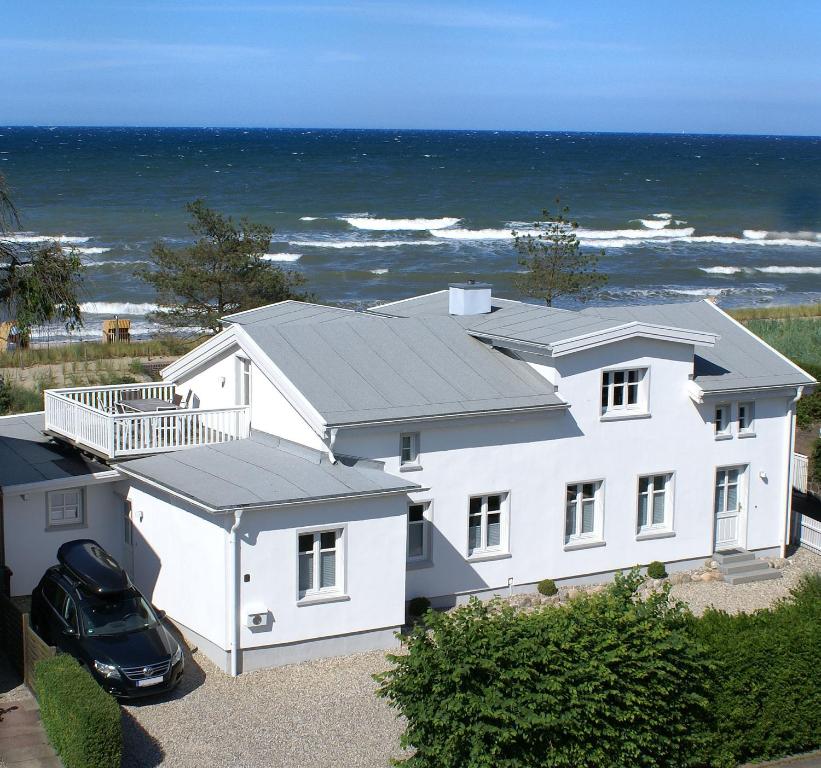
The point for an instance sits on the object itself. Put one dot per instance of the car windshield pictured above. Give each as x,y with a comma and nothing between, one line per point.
116,615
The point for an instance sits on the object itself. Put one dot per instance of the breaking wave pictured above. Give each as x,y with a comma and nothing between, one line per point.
282,256
29,237
775,270
361,243
117,308
379,271
387,225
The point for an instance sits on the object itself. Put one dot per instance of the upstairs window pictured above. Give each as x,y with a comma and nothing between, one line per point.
409,449
654,502
243,381
583,512
486,523
624,391
65,508
318,562
746,418
721,421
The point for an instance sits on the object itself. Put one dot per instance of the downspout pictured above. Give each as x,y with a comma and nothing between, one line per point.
233,602
790,472
331,441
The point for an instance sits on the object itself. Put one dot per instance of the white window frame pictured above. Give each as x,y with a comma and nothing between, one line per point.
413,462
426,524
725,431
244,375
669,502
625,408
77,520
483,550
590,538
749,411
317,593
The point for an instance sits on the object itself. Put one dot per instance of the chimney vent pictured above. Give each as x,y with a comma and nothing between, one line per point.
470,298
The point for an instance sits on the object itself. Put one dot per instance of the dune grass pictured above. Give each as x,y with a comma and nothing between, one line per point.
743,314
799,338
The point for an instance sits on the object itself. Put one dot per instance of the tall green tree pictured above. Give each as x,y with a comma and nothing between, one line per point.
553,260
224,271
39,285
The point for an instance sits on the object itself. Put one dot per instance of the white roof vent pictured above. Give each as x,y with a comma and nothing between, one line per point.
470,298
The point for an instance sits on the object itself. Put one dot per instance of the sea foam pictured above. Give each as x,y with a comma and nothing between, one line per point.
387,225
117,308
361,243
29,237
282,256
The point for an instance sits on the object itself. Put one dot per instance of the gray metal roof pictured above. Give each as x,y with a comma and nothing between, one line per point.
737,361
29,456
261,471
357,367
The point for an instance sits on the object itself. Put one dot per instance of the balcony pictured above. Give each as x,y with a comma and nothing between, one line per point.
120,421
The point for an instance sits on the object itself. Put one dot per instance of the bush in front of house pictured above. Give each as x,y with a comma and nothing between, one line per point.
605,681
82,721
656,570
816,460
547,587
417,606
765,698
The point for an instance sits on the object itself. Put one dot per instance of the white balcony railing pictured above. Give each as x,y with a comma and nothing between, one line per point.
93,418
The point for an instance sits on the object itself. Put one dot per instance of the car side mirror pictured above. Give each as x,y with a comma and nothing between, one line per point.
161,614
69,632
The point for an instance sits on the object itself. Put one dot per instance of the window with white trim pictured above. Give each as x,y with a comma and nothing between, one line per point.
721,420
65,507
419,531
583,512
409,449
655,502
319,562
487,524
243,381
746,418
624,391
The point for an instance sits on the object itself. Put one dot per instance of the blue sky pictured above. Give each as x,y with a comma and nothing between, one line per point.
718,67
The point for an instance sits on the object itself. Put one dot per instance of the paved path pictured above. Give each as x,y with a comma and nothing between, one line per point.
23,742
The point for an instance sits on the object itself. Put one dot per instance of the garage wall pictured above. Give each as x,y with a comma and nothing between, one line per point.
31,548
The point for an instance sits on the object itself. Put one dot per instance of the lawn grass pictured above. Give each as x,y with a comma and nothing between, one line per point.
160,346
799,338
743,314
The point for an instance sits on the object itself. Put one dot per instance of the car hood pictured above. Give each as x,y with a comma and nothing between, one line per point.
132,649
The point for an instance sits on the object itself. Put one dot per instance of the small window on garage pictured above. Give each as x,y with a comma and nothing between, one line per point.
65,508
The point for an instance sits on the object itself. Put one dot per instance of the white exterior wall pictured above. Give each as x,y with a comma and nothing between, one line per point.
31,548
179,560
373,542
215,386
533,457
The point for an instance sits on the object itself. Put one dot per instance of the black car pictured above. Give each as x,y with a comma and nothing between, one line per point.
88,607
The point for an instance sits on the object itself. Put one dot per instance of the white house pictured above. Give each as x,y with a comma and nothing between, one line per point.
329,465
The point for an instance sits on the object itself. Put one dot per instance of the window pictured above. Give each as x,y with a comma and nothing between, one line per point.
623,391
583,511
655,502
318,562
726,500
65,507
243,381
419,531
485,521
409,449
721,422
746,418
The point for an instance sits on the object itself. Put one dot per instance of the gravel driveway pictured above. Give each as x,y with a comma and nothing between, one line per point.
324,713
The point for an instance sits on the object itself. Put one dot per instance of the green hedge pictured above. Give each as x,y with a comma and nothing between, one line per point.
765,700
82,720
609,681
604,682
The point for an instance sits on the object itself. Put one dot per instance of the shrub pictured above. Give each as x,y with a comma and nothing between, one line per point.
765,698
605,681
816,460
17,399
82,720
656,570
417,606
808,410
547,587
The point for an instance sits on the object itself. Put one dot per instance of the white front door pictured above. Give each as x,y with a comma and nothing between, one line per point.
128,539
728,506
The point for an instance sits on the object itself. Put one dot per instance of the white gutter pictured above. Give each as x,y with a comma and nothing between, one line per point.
233,601
787,526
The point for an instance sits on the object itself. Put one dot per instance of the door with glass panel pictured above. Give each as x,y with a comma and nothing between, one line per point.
727,506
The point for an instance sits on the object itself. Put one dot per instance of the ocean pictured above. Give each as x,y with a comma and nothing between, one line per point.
372,216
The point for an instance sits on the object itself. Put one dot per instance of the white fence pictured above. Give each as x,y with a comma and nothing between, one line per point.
799,472
809,533
88,417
